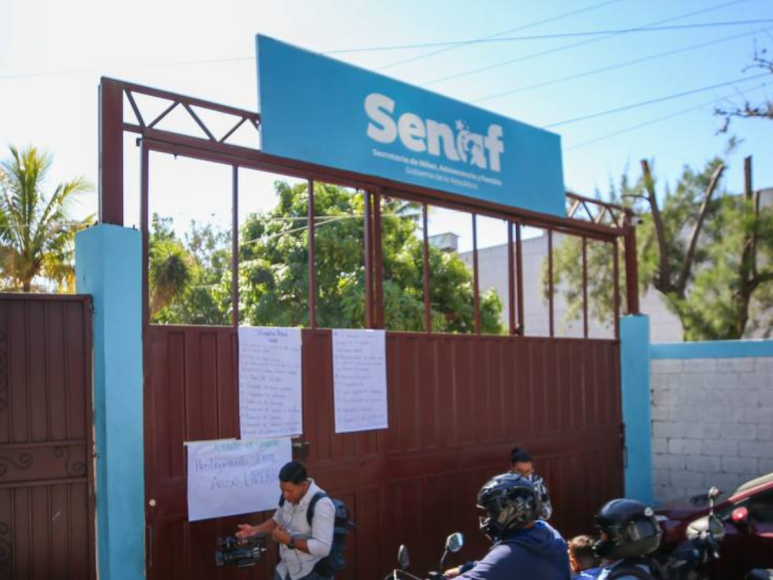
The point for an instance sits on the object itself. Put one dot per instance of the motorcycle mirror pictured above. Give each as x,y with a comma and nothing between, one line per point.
402,557
740,516
713,492
454,542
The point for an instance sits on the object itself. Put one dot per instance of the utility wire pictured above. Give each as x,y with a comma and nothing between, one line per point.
552,36
456,44
252,58
572,45
615,66
523,27
653,121
652,101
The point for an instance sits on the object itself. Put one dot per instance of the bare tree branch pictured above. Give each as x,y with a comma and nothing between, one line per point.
747,110
663,283
684,275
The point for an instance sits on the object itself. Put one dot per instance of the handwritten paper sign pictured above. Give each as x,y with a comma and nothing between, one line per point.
229,477
270,382
359,380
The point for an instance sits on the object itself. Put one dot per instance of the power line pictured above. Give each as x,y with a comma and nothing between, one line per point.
653,121
523,27
615,66
652,101
129,65
455,45
252,58
489,40
572,45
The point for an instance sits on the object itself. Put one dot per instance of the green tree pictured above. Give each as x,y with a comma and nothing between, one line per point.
708,256
37,234
274,264
187,277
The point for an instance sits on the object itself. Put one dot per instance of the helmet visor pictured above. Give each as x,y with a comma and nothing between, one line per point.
642,529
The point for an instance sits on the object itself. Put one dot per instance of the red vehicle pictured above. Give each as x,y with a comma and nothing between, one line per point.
747,514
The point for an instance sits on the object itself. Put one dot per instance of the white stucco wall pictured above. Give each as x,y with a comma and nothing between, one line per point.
492,265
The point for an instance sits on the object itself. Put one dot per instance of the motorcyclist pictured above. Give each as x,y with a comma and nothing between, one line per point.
523,546
629,534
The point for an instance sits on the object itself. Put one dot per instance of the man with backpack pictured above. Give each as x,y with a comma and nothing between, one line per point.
629,534
303,525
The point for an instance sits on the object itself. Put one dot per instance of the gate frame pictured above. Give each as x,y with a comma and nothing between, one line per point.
112,126
111,131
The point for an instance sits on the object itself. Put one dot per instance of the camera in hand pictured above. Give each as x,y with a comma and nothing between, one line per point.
242,553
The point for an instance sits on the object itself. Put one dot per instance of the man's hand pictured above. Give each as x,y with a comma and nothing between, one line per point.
245,531
280,535
452,572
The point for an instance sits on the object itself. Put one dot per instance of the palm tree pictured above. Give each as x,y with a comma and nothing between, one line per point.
36,233
170,273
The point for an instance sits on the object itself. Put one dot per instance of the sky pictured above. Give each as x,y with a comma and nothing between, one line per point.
534,61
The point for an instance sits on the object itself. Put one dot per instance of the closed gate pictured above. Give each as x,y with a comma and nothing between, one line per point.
453,419
46,468
457,403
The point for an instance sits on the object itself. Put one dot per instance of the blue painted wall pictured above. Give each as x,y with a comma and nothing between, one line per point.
713,349
635,377
108,266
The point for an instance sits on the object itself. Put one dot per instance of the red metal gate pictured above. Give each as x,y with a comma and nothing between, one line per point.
46,475
453,419
457,403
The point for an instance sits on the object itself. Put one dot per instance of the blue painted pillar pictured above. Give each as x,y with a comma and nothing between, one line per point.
635,379
108,265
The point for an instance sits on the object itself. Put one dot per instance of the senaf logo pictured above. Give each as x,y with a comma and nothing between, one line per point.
433,137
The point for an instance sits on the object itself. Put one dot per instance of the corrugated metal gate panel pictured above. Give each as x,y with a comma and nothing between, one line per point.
457,404
46,479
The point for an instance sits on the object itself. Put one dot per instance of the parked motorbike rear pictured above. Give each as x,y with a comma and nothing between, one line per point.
454,543
691,560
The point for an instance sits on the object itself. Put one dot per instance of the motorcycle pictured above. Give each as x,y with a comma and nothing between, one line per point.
454,543
691,560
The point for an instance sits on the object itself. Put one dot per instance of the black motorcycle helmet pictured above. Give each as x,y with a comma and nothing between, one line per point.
630,530
510,502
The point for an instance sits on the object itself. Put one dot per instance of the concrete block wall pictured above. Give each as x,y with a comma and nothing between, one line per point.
712,415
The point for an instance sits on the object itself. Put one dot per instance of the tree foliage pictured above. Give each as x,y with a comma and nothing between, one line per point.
273,269
708,255
189,279
37,234
274,266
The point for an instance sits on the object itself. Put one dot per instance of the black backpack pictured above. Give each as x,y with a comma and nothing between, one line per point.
334,561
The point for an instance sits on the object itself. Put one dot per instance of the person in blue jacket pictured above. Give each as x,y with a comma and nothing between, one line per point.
523,546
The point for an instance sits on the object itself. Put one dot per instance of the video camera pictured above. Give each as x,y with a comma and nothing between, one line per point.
242,553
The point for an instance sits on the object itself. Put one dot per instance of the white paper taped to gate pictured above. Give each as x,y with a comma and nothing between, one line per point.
230,477
270,382
359,380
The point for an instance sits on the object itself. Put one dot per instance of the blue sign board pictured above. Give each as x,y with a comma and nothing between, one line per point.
326,112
